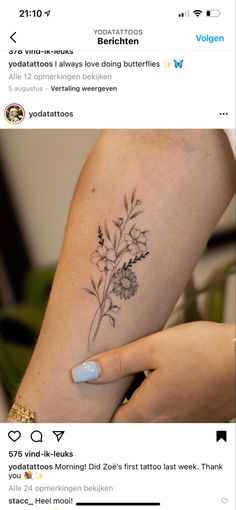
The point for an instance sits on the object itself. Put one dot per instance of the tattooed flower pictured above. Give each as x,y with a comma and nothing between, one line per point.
136,241
104,258
125,282
120,246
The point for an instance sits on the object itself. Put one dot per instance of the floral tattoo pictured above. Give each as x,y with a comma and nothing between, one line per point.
119,249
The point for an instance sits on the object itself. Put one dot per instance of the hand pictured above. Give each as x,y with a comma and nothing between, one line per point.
192,376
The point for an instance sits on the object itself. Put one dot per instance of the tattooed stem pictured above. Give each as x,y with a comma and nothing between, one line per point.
99,315
100,309
104,294
92,336
122,229
118,260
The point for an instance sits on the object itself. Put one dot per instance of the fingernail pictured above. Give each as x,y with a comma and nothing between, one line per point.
87,371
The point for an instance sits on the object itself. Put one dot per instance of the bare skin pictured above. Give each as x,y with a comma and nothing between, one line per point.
185,181
191,379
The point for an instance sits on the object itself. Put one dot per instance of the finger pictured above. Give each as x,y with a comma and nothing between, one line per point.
139,407
127,413
117,363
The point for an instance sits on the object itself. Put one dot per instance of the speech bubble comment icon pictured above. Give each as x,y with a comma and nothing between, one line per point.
36,436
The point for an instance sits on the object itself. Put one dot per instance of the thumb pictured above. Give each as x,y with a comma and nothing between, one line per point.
138,408
117,363
129,413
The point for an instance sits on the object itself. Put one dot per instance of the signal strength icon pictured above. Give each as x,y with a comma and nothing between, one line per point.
185,14
197,12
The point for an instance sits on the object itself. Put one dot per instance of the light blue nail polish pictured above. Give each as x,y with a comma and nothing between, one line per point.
87,371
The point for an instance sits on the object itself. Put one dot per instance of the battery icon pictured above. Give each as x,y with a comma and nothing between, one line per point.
213,13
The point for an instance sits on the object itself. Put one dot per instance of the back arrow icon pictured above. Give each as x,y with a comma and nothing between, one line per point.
11,37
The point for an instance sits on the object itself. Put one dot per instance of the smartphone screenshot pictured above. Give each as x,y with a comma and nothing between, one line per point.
117,255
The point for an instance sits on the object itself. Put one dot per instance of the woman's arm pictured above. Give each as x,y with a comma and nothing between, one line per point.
184,181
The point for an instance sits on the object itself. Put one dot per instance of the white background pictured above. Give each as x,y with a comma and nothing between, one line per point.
192,96
131,443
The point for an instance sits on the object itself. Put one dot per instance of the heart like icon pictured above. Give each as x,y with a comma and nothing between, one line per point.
224,501
14,435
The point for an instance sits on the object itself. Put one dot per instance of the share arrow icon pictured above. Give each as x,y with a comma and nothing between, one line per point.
58,434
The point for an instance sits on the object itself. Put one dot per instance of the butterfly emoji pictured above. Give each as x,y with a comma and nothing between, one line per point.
178,63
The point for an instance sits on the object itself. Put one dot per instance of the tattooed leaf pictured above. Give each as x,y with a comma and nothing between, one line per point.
100,237
111,320
90,292
93,284
126,204
135,214
133,196
99,282
126,265
110,302
120,252
115,239
116,224
115,309
136,259
107,231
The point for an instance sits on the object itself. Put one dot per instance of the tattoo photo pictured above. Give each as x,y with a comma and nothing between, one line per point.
120,247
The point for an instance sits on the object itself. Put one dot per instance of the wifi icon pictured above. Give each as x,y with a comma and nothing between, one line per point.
197,12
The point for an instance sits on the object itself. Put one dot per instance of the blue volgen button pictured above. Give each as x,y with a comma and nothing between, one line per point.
206,38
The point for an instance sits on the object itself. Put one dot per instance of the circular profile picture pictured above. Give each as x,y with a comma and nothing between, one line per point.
14,113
